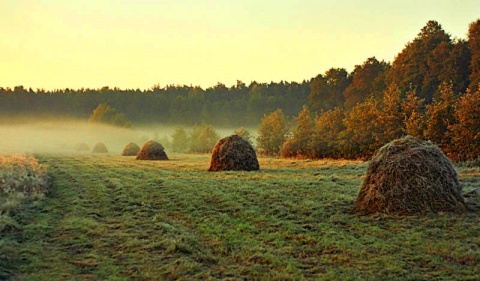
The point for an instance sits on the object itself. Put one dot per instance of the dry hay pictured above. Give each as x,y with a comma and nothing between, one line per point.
152,150
233,154
82,147
408,176
100,148
131,149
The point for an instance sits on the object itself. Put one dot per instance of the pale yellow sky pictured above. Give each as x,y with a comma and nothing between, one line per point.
138,43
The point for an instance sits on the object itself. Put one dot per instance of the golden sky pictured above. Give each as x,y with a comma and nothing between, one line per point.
55,44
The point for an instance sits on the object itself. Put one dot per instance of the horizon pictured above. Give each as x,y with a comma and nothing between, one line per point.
128,44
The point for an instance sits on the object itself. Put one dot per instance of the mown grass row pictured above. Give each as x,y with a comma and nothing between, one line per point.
111,217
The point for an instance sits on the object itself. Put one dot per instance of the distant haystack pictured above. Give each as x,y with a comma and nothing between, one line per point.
152,151
233,154
100,148
82,147
131,149
409,176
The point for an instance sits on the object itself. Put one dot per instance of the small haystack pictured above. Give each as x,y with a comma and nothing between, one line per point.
409,176
100,148
152,151
82,147
233,154
131,149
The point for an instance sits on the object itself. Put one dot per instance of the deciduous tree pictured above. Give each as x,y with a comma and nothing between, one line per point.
272,133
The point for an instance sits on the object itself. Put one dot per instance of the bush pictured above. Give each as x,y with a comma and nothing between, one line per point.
272,133
180,140
202,139
298,144
244,134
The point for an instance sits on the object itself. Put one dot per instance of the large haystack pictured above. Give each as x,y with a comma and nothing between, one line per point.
82,147
131,149
152,151
233,153
100,148
408,176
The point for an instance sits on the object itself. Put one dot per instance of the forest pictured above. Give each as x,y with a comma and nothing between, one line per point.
429,90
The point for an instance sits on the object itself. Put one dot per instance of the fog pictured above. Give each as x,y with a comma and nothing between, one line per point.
64,136
47,136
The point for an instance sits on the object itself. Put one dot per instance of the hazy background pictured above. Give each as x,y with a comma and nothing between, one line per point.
50,136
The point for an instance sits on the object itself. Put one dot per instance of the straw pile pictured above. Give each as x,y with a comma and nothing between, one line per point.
82,147
100,148
152,151
408,176
233,153
131,149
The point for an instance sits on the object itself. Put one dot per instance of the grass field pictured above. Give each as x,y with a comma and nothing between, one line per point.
109,217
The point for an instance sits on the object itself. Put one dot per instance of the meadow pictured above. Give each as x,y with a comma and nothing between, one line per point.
108,217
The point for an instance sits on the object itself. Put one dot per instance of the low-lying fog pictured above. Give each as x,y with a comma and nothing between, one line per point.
65,136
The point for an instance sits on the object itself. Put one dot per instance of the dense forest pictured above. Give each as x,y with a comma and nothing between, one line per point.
424,92
183,105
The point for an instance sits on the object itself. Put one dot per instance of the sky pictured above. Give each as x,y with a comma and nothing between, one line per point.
130,44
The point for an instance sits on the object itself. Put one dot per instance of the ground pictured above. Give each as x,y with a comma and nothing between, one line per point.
112,217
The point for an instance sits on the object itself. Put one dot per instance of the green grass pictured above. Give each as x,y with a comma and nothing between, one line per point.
113,218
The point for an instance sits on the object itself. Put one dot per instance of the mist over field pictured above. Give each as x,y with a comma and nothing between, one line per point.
64,136
51,136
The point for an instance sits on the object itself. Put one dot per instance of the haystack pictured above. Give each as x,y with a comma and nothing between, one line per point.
131,149
100,148
233,153
152,151
408,176
82,147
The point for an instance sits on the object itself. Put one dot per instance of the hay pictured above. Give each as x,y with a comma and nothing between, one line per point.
131,149
152,151
233,154
82,147
100,148
408,176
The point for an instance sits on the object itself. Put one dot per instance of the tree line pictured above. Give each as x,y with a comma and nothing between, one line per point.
450,121
174,104
355,112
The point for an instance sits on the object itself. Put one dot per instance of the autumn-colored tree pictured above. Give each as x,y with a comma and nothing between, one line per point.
325,138
390,115
422,62
326,91
474,46
465,132
272,133
439,115
105,114
367,79
298,144
414,117
362,130
180,140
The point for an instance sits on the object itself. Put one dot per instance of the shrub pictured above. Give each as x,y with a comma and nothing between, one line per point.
180,140
202,138
298,144
272,133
